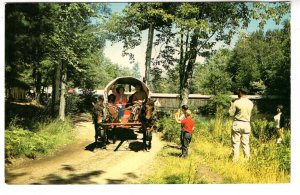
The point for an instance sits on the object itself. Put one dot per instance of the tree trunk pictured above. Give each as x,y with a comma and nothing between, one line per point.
62,104
188,72
38,86
56,90
181,64
148,53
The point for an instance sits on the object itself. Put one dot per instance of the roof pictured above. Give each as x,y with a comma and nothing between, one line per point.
201,96
176,95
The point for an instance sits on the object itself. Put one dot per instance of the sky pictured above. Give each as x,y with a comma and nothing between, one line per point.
114,51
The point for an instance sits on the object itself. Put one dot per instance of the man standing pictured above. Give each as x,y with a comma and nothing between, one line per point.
241,110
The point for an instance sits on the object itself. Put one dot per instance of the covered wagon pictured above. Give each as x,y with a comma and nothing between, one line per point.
126,105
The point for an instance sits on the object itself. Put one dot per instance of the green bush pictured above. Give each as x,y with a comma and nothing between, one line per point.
263,130
48,137
73,102
86,98
216,103
170,129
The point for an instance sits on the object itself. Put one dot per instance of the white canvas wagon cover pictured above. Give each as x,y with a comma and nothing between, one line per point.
123,81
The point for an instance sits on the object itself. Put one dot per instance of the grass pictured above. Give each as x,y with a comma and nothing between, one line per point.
209,162
49,136
32,134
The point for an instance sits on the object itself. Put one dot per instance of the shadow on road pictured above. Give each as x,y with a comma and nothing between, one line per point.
122,181
84,178
115,181
91,147
119,134
136,146
12,176
124,134
67,168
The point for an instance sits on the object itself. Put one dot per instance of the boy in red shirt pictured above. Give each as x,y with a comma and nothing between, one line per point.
188,127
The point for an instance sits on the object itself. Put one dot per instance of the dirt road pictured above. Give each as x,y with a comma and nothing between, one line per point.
79,164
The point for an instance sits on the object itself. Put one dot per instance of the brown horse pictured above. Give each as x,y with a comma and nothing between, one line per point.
148,118
98,119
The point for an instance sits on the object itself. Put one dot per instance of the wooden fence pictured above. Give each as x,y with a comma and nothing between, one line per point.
171,101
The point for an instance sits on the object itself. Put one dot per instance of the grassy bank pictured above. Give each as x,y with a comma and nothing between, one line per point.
209,162
49,136
30,133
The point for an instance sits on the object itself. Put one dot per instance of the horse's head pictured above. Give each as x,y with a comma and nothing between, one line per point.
149,108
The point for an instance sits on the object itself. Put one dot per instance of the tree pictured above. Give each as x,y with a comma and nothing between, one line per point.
136,71
24,45
261,62
75,37
53,42
202,25
212,77
247,60
136,18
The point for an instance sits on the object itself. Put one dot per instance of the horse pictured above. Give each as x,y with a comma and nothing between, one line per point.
148,118
98,119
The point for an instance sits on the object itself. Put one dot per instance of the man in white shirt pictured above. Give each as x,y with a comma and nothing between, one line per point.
241,110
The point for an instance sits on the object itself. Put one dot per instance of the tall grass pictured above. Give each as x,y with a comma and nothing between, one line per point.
47,137
209,162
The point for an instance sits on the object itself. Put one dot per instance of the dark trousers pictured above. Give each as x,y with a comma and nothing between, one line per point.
187,137
181,137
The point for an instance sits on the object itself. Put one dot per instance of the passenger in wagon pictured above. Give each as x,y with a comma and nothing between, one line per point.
139,95
121,99
112,107
136,100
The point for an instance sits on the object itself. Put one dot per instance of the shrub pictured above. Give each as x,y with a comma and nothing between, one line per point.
263,130
46,139
217,103
72,104
170,129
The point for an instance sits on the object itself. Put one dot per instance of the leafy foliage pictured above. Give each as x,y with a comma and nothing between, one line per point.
50,136
57,44
212,77
263,61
